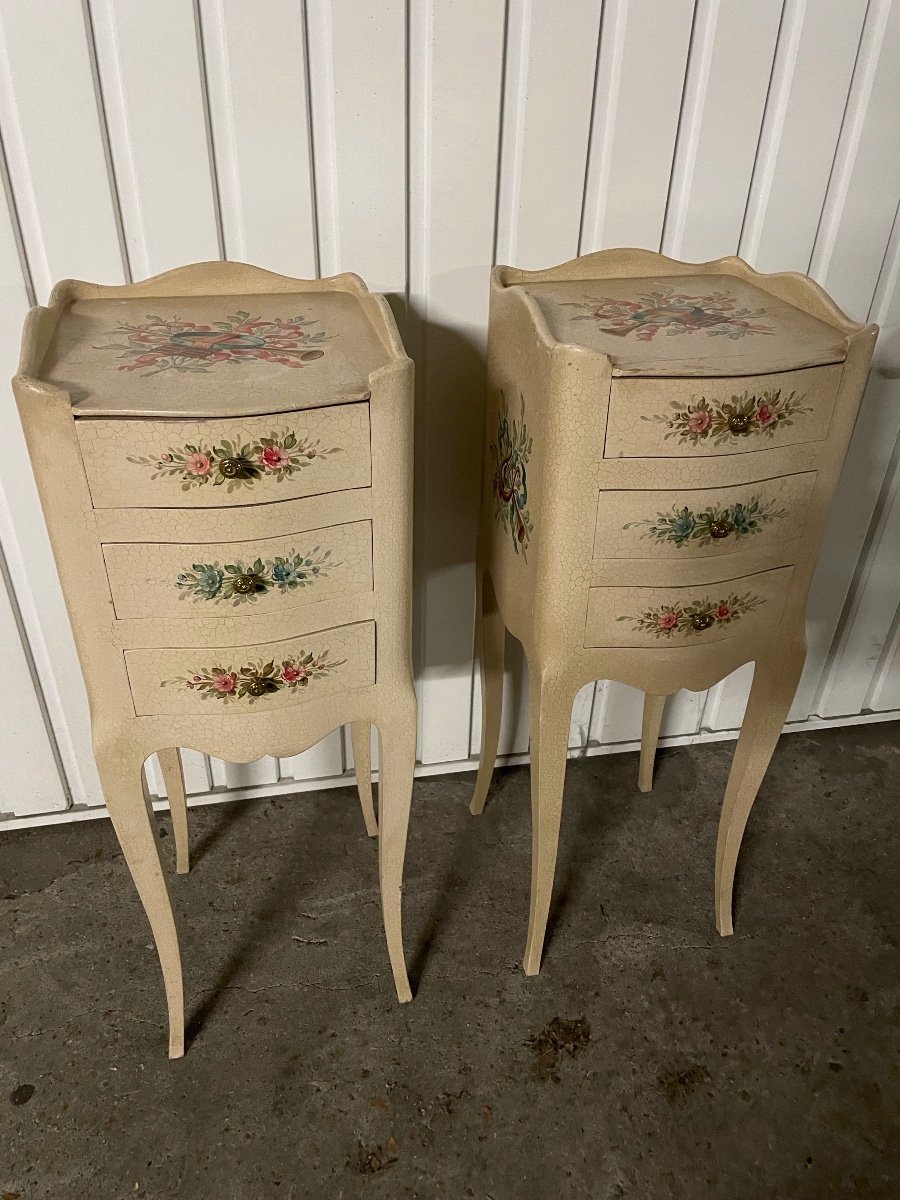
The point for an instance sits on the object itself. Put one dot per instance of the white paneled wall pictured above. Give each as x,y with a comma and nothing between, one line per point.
417,142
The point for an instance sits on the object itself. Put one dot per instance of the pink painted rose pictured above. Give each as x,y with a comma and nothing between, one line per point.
291,674
198,464
274,458
667,620
700,421
722,611
165,458
765,415
225,683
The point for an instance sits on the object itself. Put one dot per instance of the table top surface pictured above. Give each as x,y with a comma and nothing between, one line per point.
685,325
203,356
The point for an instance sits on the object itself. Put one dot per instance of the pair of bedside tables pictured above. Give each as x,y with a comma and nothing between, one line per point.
224,458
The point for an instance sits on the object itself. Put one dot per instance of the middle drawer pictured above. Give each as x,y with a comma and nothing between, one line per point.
265,575
679,525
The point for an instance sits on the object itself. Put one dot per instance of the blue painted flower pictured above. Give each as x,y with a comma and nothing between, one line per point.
682,525
286,574
207,580
742,521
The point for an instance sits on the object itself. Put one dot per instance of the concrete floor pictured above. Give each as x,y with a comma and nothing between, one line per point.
681,1065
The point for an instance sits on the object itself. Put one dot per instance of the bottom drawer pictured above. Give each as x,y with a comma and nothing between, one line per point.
667,616
274,675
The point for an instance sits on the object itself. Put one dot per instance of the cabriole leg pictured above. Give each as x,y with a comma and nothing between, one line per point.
551,716
775,681
361,740
132,818
490,646
397,749
654,707
173,777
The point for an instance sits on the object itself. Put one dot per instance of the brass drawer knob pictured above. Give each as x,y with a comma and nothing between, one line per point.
245,584
701,621
739,422
720,529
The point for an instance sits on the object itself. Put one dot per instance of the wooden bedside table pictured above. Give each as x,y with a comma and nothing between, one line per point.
224,458
662,443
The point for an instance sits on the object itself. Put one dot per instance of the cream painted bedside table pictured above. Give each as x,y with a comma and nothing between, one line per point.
224,458
663,440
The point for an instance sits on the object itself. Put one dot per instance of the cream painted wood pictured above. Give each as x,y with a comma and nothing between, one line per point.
161,580
237,686
173,778
769,513
361,736
655,623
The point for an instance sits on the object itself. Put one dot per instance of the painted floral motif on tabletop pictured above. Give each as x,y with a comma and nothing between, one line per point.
717,314
171,344
511,453
241,582
683,526
257,679
748,414
277,456
670,619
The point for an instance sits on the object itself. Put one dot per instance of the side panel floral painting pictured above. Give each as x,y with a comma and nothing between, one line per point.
170,344
511,453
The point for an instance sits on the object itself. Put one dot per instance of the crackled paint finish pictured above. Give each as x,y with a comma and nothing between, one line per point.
618,586
673,313
100,509
276,456
679,526
174,682
670,418
125,467
170,344
270,575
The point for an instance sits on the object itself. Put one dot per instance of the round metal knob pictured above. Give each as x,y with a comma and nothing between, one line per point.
720,529
257,687
231,467
701,621
739,422
245,584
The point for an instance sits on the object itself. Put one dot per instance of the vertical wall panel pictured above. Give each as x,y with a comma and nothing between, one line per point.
817,49
457,58
257,77
153,91
732,50
640,77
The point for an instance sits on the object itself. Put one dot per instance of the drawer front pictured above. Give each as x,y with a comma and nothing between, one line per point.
213,464
684,418
258,678
159,580
681,525
686,616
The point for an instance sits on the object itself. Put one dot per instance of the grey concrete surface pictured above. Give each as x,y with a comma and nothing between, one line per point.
649,1059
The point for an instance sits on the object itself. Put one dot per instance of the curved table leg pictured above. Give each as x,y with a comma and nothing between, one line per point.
551,716
397,748
361,740
775,681
490,646
132,817
654,707
173,777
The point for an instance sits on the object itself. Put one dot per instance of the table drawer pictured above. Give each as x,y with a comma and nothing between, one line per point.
681,525
691,616
204,682
684,418
188,464
266,575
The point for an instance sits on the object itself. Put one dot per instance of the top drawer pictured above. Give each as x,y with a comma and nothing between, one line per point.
132,463
684,418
